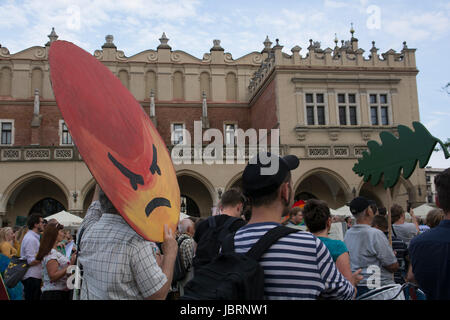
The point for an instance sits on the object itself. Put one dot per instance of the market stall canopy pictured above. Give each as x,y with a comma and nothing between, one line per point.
343,211
67,219
422,211
183,216
334,212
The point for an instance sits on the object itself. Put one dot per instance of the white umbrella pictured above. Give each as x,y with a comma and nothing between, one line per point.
422,211
343,211
334,212
67,219
183,216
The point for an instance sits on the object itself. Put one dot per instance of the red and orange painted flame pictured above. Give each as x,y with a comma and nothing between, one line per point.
104,118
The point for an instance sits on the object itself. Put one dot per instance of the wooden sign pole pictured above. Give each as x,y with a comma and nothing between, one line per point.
388,209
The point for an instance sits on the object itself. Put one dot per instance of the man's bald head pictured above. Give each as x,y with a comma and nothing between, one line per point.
186,226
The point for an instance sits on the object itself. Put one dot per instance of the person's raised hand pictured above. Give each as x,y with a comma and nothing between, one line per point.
73,258
356,277
169,245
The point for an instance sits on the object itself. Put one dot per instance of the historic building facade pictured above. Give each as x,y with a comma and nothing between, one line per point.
327,104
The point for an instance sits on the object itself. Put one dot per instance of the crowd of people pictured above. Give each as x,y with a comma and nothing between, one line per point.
43,245
117,263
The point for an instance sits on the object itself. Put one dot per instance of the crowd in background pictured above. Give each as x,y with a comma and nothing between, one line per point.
117,263
43,244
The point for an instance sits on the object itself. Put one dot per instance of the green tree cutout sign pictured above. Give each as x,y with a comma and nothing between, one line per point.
394,154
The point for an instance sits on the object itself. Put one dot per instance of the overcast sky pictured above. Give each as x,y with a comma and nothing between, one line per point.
191,26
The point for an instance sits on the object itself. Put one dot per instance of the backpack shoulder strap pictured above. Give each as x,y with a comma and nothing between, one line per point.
229,222
212,221
266,241
225,231
393,231
228,243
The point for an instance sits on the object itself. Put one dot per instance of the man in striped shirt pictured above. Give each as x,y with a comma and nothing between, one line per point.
298,266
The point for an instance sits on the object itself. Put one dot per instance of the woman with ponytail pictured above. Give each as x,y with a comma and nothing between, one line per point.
54,264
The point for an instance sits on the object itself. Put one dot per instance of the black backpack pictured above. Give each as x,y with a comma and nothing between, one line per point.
234,276
179,271
208,247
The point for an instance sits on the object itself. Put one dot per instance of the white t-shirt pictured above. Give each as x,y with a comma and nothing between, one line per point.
369,250
63,262
405,231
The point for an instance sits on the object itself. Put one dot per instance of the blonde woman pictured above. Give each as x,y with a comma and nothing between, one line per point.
19,237
7,242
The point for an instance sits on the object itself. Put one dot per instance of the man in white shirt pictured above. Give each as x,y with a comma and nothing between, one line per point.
369,249
28,249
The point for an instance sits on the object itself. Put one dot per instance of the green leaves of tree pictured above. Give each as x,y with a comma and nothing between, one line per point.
393,154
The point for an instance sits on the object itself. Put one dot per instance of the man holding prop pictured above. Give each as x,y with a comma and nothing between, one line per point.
138,193
393,155
388,159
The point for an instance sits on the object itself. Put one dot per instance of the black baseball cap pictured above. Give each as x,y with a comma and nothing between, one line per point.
359,204
262,176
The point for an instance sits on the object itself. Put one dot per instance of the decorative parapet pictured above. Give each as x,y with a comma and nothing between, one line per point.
345,57
4,52
165,54
35,153
226,153
263,71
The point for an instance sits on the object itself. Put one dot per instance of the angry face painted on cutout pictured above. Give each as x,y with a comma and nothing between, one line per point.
117,140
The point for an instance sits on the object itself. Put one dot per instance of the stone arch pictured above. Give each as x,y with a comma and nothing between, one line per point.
324,184
404,190
235,182
231,86
376,193
198,188
27,190
5,81
86,194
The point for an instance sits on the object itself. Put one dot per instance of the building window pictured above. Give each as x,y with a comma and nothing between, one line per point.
315,109
379,109
66,138
230,131
347,109
177,133
7,132
374,115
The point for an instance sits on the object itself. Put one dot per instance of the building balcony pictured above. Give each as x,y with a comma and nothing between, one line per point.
39,153
180,152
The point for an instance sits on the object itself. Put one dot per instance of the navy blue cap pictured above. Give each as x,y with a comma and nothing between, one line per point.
263,176
359,204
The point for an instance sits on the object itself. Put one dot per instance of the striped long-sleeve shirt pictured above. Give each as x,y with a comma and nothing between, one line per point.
297,266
